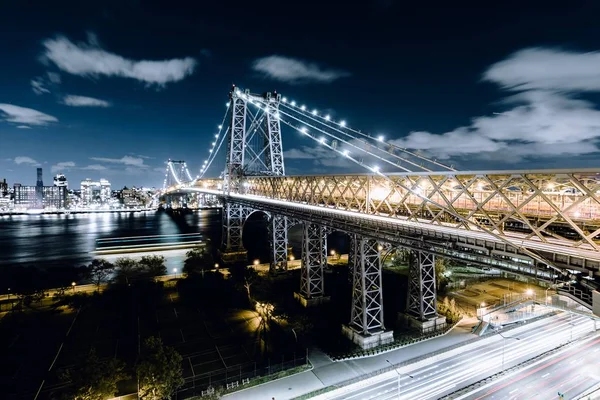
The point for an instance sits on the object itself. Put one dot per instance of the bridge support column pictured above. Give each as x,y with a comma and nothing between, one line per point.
314,260
422,301
232,247
366,321
278,230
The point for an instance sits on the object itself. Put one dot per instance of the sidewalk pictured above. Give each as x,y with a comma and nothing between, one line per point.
327,372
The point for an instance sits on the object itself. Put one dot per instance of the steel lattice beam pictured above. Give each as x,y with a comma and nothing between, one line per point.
278,231
314,259
422,302
367,296
234,216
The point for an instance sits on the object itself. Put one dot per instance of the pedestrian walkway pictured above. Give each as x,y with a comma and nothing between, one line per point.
326,372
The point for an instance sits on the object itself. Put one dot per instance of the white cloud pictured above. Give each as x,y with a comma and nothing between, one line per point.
90,60
38,86
23,127
298,154
53,77
22,115
83,101
545,118
547,69
295,71
125,160
61,166
25,160
95,167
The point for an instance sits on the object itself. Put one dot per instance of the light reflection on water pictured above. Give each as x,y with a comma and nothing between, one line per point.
49,240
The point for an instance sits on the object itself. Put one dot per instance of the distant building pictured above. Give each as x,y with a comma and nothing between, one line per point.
39,196
3,188
61,180
95,192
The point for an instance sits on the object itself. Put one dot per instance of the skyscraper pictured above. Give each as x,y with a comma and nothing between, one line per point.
39,190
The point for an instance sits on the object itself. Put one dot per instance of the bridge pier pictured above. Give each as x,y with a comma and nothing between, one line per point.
232,246
314,260
366,321
278,230
422,301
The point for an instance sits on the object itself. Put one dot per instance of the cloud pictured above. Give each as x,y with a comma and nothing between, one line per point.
22,115
95,167
298,154
25,160
61,166
38,86
295,71
83,101
545,117
547,69
23,127
41,85
90,60
125,160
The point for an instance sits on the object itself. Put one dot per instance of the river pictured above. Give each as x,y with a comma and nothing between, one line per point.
70,240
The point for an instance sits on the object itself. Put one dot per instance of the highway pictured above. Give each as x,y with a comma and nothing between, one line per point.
452,372
570,373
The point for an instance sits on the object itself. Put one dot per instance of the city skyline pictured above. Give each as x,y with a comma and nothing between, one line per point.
116,89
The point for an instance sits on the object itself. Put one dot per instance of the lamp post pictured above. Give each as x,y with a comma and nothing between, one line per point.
399,375
503,342
73,285
175,272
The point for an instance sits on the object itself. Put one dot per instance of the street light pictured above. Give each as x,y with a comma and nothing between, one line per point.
73,284
399,375
505,338
216,265
256,262
175,272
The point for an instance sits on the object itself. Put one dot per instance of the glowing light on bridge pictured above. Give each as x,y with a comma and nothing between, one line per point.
342,123
227,104
284,99
303,107
293,103
346,153
217,135
304,130
327,117
220,126
380,138
322,140
314,112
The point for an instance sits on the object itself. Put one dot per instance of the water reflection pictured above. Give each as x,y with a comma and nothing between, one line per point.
48,240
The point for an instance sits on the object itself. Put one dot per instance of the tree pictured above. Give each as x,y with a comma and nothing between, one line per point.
96,379
198,260
100,270
126,268
249,279
159,371
153,265
441,279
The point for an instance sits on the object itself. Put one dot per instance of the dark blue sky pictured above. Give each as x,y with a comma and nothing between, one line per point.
77,97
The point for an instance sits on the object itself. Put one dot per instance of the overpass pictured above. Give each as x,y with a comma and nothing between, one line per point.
543,223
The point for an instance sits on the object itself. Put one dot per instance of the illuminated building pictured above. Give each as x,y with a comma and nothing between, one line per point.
95,192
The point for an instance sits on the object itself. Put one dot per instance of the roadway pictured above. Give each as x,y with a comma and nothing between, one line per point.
570,373
443,376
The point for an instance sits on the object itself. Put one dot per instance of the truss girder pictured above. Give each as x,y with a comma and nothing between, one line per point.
278,232
314,260
422,302
367,296
234,215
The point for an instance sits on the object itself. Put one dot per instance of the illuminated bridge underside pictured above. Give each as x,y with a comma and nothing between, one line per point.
556,214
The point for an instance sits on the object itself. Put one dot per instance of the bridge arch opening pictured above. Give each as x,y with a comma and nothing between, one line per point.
255,236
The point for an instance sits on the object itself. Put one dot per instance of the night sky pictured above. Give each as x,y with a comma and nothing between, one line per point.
112,89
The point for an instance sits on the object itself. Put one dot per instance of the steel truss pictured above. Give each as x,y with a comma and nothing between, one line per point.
278,232
273,145
314,260
422,302
237,145
367,295
234,215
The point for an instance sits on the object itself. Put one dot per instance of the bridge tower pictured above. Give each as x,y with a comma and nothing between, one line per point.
254,149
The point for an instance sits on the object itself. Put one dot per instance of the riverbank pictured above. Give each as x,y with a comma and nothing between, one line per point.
67,212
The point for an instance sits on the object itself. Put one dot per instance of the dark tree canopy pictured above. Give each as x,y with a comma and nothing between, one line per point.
96,379
159,371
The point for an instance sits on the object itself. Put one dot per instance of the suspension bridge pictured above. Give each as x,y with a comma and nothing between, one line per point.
543,223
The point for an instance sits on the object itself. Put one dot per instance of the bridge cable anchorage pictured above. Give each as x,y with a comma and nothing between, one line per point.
465,221
315,116
212,153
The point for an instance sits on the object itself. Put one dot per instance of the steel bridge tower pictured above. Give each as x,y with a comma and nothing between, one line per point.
254,149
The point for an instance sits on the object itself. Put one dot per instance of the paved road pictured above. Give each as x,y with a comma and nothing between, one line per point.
570,373
447,375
